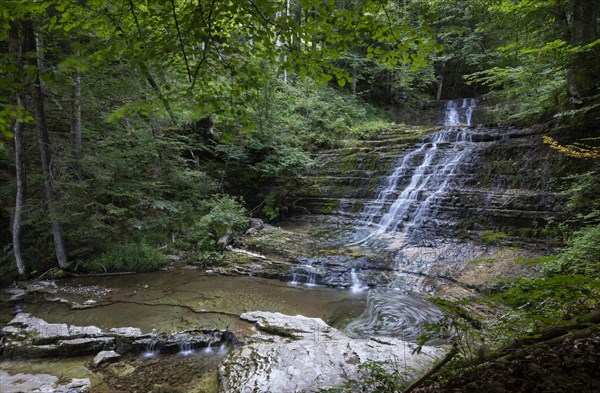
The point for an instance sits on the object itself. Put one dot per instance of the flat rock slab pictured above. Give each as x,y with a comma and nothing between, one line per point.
319,357
29,336
19,383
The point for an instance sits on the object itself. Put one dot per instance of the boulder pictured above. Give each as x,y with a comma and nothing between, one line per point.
105,357
309,355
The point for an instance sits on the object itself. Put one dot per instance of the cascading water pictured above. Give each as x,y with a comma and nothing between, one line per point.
185,348
357,285
152,349
406,203
304,274
208,350
422,176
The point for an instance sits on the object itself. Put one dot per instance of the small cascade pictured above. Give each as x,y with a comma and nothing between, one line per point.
357,285
152,349
208,350
222,350
421,177
304,274
185,348
459,112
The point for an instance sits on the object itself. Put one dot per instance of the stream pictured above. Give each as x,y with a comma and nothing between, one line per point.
187,298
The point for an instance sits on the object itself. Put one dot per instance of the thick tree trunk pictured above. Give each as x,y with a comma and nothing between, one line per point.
583,66
16,50
46,159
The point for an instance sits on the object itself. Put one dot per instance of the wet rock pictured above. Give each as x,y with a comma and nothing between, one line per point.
13,293
19,383
255,226
105,357
29,336
318,356
126,331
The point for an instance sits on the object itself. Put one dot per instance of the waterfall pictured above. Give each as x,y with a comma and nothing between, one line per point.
152,349
357,285
459,112
185,348
305,274
208,350
422,176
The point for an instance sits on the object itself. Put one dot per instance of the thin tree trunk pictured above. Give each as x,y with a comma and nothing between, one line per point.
76,122
20,196
354,79
16,50
46,159
441,84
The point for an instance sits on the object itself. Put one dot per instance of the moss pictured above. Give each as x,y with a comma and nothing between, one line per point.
279,331
491,237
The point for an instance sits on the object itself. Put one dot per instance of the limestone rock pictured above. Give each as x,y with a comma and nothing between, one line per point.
320,357
40,383
105,356
28,336
126,331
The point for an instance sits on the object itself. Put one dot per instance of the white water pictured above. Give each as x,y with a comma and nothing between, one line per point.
422,176
185,348
393,314
208,350
304,274
357,285
152,349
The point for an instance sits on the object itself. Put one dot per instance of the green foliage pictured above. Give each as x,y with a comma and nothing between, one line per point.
581,256
548,301
135,257
225,215
320,115
374,377
583,192
273,206
491,237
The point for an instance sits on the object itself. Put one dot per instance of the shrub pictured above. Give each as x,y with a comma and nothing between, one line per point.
226,216
129,257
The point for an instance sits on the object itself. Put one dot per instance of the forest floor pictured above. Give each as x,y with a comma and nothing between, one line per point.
571,365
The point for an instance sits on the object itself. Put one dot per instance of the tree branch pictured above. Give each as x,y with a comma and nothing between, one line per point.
187,66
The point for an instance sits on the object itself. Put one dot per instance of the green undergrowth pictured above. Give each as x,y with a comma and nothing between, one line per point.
375,377
128,257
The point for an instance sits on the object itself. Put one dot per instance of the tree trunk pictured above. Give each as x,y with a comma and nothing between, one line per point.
583,65
19,197
438,96
46,160
76,122
16,50
354,79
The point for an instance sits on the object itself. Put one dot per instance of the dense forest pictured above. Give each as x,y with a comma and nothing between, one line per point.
132,130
